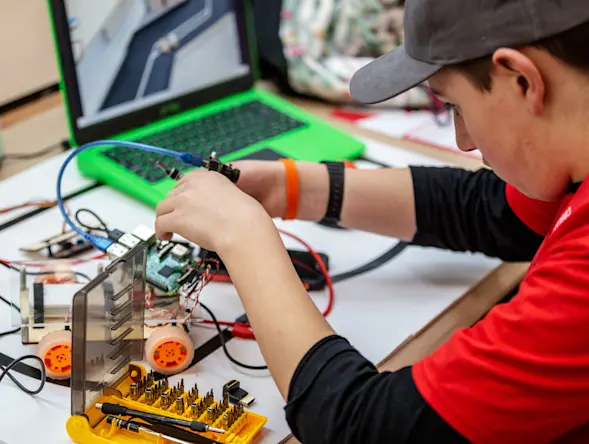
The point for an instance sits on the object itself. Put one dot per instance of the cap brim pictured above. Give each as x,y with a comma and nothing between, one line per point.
388,76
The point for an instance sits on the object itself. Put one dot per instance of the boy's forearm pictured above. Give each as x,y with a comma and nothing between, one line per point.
285,320
380,201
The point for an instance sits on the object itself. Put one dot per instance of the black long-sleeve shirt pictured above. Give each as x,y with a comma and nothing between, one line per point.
338,396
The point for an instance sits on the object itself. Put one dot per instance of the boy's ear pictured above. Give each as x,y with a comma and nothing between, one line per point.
522,75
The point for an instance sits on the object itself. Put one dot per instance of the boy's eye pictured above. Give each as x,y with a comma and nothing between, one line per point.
454,108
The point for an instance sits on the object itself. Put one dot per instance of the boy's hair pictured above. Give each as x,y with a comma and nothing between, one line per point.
571,47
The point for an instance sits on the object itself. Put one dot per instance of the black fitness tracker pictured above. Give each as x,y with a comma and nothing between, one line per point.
336,173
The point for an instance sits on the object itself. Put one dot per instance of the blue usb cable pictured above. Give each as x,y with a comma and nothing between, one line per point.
100,242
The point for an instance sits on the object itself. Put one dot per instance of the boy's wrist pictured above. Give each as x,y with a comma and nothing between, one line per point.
313,191
251,233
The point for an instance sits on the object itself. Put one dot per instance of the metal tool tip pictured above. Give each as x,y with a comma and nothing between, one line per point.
99,406
216,430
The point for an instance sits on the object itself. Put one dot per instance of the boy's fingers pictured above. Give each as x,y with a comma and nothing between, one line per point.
177,189
167,205
165,226
166,236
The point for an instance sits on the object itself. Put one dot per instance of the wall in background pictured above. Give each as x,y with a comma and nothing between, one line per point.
26,52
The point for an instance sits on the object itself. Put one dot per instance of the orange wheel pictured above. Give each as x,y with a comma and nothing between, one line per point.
55,349
169,350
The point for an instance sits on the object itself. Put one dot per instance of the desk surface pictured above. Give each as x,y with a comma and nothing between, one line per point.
28,61
431,300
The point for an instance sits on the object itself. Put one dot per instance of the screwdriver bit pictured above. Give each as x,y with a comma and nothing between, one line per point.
179,405
149,396
133,392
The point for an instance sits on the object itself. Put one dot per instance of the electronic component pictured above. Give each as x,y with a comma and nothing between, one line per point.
60,246
166,271
164,251
304,263
179,252
116,251
129,241
172,173
115,234
213,164
144,233
189,276
236,394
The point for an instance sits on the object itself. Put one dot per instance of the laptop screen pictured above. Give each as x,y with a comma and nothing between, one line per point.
134,54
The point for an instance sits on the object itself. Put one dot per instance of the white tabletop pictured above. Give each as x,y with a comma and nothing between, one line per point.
376,311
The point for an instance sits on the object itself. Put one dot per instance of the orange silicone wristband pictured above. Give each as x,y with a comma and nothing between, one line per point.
292,189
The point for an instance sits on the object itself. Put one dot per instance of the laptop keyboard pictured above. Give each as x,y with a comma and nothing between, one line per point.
224,132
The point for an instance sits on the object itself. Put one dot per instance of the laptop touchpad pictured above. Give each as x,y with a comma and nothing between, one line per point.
264,154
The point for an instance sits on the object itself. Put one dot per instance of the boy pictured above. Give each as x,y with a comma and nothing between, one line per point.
516,73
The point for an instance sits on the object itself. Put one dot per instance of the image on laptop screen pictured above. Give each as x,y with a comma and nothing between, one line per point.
130,54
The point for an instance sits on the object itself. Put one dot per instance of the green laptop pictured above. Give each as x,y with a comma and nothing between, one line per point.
178,74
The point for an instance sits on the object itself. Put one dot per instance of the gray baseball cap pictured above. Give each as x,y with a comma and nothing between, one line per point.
439,33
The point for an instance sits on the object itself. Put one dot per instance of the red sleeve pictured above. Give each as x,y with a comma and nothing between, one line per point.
537,215
522,373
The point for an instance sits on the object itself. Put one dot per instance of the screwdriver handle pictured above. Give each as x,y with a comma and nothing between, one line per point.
112,409
123,424
119,410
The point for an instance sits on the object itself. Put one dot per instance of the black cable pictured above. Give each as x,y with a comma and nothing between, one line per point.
231,358
17,361
9,332
12,156
102,227
388,255
45,273
12,304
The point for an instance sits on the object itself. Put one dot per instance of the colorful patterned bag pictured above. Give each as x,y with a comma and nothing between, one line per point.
326,41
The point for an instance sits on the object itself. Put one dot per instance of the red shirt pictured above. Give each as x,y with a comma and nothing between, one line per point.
521,375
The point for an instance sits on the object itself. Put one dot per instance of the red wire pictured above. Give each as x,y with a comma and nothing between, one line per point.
243,330
322,267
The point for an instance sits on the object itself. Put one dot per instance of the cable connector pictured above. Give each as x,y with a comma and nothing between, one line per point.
213,164
116,251
242,330
236,394
191,159
102,243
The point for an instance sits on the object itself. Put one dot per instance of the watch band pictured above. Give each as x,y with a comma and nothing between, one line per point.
336,172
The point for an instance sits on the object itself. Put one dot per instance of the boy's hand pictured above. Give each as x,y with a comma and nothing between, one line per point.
209,210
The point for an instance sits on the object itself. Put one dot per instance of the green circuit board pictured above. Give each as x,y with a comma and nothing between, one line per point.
169,266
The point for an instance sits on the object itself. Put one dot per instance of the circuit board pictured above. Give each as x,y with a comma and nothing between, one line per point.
170,265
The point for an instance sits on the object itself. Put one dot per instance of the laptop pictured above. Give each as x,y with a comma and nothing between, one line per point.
179,74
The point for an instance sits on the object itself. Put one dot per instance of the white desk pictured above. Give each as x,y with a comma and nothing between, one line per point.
376,311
